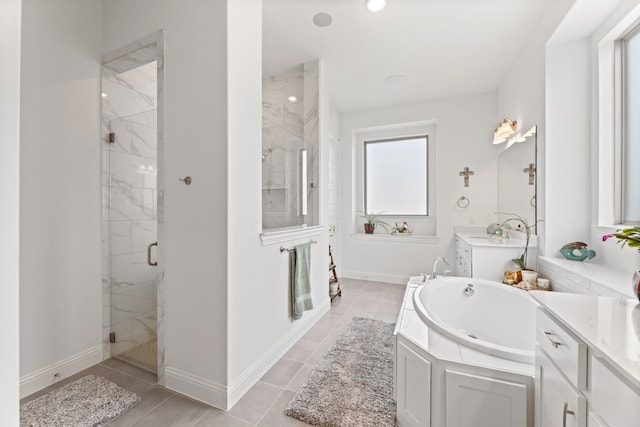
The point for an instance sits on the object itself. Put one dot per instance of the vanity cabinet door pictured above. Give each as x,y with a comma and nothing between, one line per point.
595,421
558,404
463,259
615,403
413,388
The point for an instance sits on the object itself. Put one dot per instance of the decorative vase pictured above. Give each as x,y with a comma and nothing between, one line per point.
333,288
577,251
635,282
635,318
368,228
530,277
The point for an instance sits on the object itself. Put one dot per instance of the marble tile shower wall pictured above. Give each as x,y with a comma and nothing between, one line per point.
130,206
288,127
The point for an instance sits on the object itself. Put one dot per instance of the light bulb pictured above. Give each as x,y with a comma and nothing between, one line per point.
375,5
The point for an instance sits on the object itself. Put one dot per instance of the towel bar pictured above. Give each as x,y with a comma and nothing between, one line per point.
292,248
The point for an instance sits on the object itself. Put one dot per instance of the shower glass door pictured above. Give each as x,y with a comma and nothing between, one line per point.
130,173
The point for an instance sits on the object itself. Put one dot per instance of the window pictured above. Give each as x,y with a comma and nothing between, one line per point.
630,172
395,173
396,176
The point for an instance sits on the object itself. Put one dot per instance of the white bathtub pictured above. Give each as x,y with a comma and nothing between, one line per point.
496,319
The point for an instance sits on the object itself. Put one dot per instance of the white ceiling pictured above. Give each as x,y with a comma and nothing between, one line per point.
447,48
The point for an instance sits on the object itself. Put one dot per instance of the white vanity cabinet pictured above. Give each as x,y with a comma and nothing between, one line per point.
463,258
587,366
479,256
611,401
560,375
558,403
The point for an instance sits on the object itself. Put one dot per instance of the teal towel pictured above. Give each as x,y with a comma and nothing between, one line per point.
301,280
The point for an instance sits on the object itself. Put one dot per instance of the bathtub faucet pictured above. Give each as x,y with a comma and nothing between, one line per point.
447,267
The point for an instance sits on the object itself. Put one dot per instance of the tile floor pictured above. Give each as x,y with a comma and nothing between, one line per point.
264,403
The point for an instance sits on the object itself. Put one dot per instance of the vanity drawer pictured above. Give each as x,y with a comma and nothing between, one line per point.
567,352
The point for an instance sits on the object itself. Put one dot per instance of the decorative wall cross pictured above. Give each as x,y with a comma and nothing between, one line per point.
531,170
466,173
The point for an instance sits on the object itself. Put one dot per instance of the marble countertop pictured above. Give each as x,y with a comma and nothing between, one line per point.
477,236
609,326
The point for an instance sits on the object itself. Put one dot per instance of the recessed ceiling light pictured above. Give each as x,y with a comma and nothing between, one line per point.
396,79
375,5
292,99
104,95
322,19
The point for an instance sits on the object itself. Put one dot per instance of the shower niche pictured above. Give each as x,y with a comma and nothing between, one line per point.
290,147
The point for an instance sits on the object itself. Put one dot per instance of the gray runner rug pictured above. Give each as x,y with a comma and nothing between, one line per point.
89,401
353,383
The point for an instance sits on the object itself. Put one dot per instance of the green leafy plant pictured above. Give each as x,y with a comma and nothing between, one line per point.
374,219
629,236
522,260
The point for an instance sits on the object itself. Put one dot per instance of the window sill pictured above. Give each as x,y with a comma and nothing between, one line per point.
431,240
286,234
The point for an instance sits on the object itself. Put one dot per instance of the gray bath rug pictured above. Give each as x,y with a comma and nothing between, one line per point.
89,401
353,383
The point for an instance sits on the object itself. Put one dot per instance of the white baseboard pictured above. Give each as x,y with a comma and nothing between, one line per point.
201,389
46,376
251,375
223,397
376,277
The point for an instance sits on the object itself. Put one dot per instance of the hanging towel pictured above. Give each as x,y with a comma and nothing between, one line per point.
301,280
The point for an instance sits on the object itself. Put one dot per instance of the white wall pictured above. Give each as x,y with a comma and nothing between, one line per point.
577,109
195,130
464,129
567,154
333,184
260,328
10,24
227,313
60,309
521,95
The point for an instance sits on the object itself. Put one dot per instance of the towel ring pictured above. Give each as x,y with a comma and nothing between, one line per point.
463,202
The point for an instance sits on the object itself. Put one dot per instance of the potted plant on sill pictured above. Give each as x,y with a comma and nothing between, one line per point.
402,229
629,236
372,221
521,262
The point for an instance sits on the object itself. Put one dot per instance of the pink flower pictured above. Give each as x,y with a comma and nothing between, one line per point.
606,237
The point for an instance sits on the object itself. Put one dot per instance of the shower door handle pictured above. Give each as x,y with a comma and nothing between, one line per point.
152,264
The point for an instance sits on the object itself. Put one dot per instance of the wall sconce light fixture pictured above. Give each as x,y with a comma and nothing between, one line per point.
504,130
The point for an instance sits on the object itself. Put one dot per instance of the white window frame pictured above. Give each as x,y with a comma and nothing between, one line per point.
610,113
421,224
620,148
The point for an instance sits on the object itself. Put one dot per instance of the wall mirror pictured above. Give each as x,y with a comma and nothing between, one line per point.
517,177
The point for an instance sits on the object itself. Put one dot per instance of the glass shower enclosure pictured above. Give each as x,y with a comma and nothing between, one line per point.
130,214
